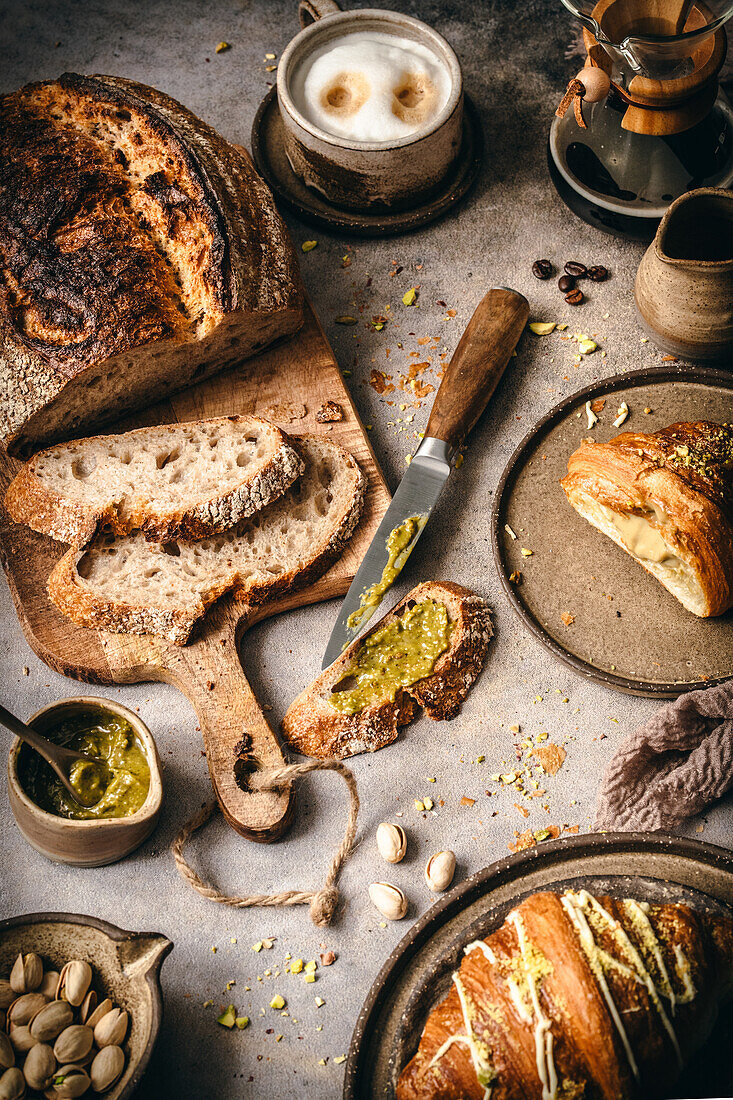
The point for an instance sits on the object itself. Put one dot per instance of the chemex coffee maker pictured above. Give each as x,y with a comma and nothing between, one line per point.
645,120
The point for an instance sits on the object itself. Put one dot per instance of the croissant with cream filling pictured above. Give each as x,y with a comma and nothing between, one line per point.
667,499
576,997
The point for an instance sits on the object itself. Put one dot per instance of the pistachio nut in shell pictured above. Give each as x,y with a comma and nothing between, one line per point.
21,1038
39,1066
74,981
69,1081
440,871
7,993
51,1020
101,1010
49,985
27,973
7,1054
24,1008
107,1068
389,900
391,842
12,1085
111,1029
74,1043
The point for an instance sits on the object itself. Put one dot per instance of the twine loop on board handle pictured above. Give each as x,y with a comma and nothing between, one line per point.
322,902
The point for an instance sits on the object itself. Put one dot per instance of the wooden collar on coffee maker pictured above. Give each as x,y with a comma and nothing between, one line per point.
660,107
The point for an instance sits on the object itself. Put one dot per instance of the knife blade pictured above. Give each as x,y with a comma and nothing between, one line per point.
469,381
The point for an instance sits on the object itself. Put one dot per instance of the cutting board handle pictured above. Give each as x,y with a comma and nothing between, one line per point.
237,736
477,364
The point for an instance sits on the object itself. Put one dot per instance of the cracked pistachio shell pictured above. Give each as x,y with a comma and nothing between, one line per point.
50,1021
74,1043
389,900
7,993
88,1006
107,1068
7,1055
27,973
49,984
101,1010
391,842
74,981
24,1008
12,1085
21,1038
39,1067
111,1029
440,870
74,1082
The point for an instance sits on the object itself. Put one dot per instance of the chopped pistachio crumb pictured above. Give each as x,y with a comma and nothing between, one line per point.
320,1002
227,1017
419,805
308,246
341,1058
242,1022
257,946
310,978
277,1001
408,298
311,966
296,966
222,46
526,553
543,328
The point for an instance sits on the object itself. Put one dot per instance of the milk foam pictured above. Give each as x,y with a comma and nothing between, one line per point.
371,86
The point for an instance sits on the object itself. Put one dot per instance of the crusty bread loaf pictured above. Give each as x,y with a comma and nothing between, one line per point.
315,727
132,586
176,481
139,252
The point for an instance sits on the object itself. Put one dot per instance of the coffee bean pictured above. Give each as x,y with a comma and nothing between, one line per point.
578,271
566,283
575,297
598,273
542,269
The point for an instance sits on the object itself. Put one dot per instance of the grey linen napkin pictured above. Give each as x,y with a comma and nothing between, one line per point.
672,767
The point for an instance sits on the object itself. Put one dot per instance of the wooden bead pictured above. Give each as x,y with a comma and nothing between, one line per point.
596,82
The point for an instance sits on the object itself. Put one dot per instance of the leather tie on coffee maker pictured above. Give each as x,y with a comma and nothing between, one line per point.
574,93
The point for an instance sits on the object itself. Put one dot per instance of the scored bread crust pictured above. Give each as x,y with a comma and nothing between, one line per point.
315,728
634,470
139,252
90,608
70,519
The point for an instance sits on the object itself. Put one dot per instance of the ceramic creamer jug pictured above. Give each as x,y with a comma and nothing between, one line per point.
684,285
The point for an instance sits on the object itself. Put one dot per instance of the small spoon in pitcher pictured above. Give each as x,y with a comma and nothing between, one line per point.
58,757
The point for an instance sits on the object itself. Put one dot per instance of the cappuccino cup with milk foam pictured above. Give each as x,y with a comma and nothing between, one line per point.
372,107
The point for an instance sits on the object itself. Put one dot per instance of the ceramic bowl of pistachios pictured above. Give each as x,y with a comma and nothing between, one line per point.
80,1006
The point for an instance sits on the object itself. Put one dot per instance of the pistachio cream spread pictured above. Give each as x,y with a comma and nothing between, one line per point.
122,786
640,537
399,548
393,657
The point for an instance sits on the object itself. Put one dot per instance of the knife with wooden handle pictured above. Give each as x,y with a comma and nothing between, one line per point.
469,381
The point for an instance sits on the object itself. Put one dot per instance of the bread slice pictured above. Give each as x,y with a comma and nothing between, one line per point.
128,585
314,727
140,252
176,481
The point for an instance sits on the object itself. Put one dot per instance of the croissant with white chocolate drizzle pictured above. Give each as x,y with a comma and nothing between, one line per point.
576,997
667,499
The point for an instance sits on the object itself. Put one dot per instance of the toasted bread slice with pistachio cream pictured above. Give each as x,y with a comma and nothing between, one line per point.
426,652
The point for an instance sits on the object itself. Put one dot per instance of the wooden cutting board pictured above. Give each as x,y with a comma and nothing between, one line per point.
287,385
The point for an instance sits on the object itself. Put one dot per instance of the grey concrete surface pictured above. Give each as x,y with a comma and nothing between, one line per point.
513,56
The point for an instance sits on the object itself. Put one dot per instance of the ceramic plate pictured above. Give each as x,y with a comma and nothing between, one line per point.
268,151
418,972
627,631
